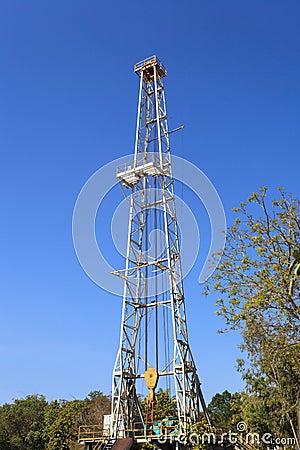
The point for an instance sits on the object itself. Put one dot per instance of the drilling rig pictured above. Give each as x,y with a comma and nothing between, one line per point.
154,350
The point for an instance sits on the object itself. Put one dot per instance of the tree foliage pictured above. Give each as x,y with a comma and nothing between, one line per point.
64,430
200,432
165,405
34,424
253,281
225,410
22,422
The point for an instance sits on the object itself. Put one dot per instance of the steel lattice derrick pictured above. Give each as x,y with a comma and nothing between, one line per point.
153,288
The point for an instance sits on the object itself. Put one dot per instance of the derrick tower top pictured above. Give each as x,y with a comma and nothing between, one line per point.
146,66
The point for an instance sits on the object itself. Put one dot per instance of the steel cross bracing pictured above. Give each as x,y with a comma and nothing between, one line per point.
153,297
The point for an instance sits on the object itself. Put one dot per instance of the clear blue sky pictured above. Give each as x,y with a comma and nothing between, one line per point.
68,106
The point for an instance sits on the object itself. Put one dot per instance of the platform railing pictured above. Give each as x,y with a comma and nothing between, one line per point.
92,433
141,161
153,429
150,62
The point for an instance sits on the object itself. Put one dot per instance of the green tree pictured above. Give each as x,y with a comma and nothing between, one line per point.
164,405
34,424
225,409
22,424
253,281
99,404
200,435
52,411
63,431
